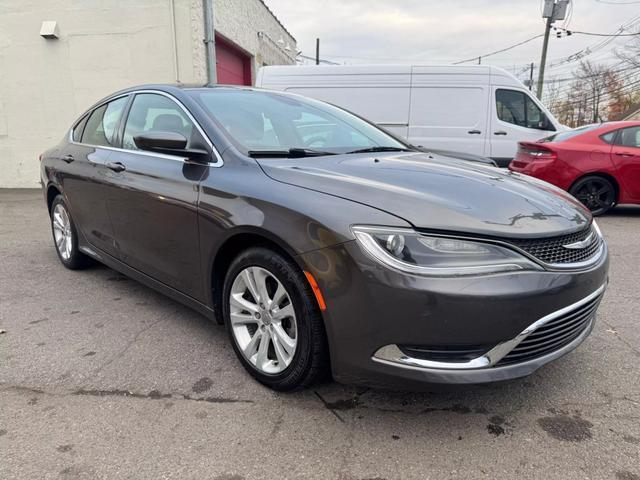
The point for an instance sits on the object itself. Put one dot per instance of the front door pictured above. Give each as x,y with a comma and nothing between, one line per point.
516,117
153,199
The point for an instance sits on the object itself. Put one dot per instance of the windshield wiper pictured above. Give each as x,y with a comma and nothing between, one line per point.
291,153
381,149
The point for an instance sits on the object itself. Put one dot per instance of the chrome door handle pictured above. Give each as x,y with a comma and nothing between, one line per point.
474,132
500,132
115,166
67,158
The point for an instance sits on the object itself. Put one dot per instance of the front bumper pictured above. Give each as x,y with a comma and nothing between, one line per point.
370,307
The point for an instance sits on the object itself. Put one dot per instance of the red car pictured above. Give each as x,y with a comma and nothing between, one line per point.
597,164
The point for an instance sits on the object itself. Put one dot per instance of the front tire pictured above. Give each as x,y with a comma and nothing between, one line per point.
273,320
596,193
65,236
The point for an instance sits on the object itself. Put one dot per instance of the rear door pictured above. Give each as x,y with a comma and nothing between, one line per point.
85,173
448,111
515,117
625,156
152,200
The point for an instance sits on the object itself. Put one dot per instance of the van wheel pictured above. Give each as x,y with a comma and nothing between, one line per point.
596,193
65,237
273,320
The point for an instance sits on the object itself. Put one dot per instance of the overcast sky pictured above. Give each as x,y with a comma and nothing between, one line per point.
440,31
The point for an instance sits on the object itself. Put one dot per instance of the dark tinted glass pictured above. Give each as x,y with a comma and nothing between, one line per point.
519,109
77,132
103,122
629,137
258,120
152,112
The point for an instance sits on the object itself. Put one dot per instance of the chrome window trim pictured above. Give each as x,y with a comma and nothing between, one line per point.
392,355
217,164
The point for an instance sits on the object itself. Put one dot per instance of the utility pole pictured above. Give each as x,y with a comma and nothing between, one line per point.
317,51
210,42
531,76
553,10
479,60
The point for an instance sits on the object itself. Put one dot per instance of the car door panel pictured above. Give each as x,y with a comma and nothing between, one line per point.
84,174
153,207
83,183
152,198
625,155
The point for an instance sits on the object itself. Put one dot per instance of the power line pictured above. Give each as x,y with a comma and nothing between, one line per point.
473,59
573,32
618,3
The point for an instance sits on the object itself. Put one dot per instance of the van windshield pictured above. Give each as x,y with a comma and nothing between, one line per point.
262,122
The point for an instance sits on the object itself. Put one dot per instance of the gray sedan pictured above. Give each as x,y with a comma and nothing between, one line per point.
323,243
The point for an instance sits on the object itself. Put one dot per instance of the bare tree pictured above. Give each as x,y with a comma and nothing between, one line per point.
629,54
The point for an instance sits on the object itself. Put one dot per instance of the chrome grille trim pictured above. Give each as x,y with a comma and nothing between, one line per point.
583,309
564,251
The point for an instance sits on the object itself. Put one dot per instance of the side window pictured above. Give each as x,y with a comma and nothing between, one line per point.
629,137
103,122
151,112
609,137
77,132
518,108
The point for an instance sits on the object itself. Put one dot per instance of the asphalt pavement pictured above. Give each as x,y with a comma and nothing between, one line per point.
101,377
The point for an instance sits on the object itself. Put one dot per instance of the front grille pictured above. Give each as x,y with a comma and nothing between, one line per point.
444,353
551,249
554,334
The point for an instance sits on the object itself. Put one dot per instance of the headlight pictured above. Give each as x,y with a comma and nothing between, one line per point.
412,252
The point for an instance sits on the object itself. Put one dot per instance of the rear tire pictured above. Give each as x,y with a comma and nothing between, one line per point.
596,193
285,316
65,237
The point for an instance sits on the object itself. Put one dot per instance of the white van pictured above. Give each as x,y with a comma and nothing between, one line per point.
475,109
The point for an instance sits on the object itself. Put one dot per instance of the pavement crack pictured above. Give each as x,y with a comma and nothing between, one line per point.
328,406
125,348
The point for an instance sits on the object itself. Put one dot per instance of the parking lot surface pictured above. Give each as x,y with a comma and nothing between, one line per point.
101,377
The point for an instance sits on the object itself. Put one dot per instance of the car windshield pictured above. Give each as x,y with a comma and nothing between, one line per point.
562,136
269,123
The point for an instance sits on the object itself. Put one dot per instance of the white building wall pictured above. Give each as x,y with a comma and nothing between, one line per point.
103,46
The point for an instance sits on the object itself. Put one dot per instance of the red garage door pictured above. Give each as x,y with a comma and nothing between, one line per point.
233,66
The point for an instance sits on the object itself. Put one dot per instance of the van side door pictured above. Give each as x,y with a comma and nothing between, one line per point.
448,113
515,117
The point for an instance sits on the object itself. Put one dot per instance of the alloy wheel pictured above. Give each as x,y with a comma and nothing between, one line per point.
62,231
263,320
595,194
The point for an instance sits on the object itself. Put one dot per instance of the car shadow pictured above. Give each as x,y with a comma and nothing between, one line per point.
624,211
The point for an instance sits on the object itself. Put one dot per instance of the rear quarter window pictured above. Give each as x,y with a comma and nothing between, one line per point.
79,128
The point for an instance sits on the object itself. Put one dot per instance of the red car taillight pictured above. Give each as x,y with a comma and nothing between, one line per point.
533,151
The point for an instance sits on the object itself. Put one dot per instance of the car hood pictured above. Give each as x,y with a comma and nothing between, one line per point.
436,192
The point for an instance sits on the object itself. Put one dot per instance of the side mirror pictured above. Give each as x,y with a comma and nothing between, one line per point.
171,143
545,124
